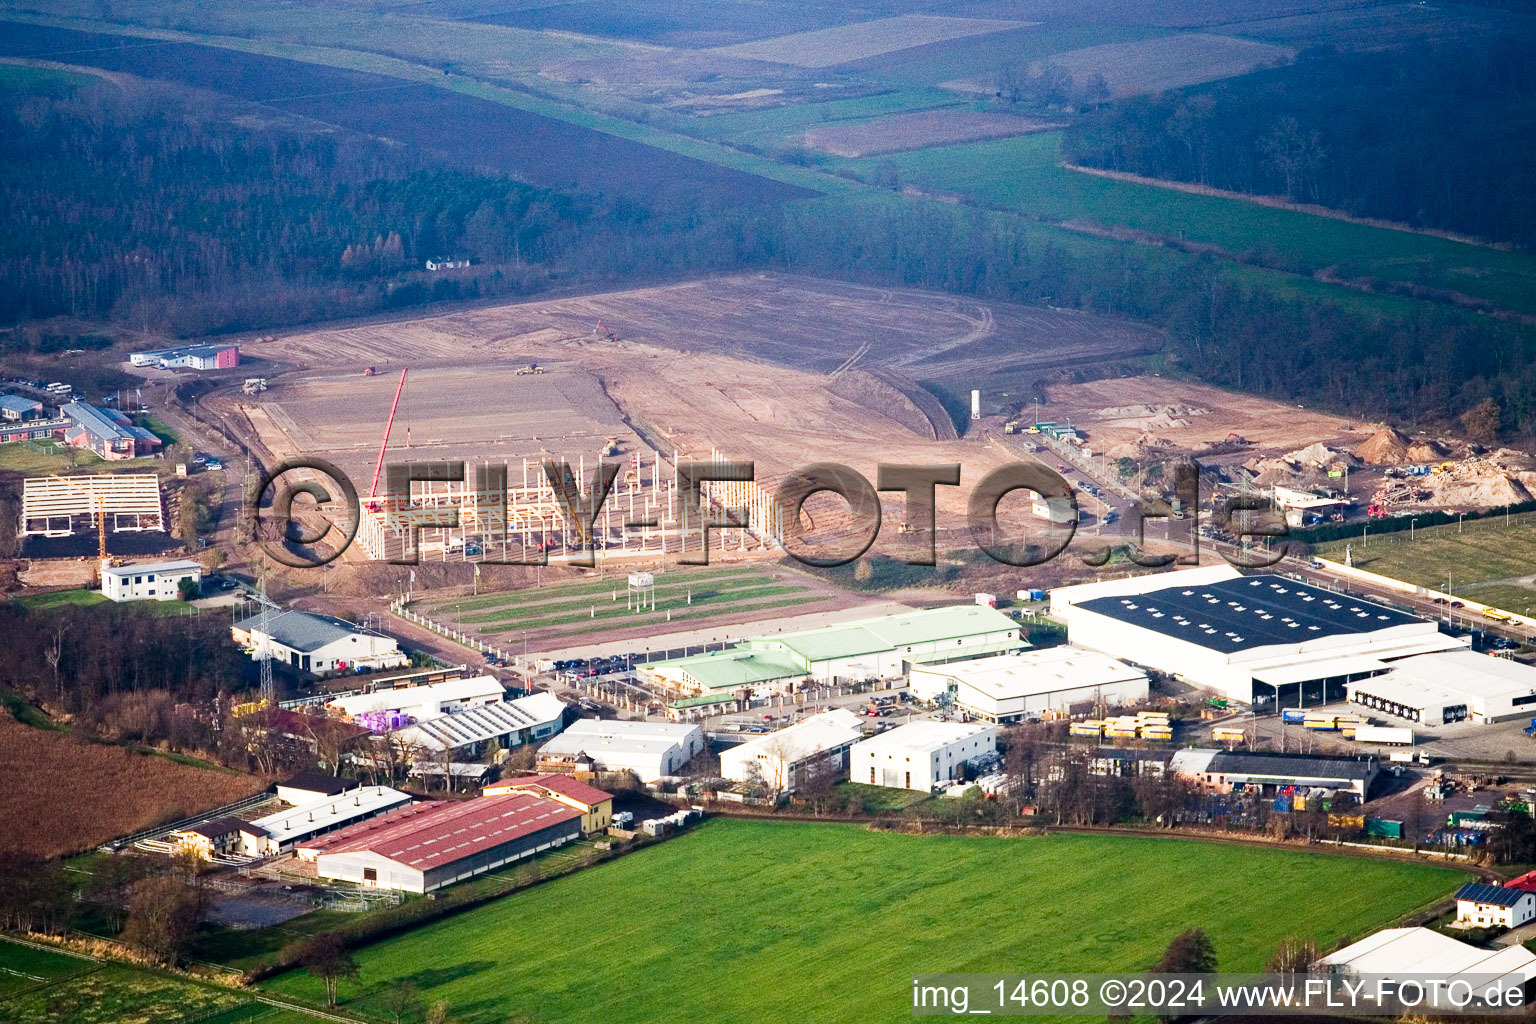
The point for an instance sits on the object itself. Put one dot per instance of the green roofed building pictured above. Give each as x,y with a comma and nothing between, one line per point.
878,648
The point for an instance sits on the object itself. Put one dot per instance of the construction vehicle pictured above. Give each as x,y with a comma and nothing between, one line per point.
369,371
1496,615
1445,467
528,369
602,331
611,446
254,385
1011,427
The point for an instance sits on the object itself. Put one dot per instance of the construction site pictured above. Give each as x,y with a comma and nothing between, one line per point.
779,371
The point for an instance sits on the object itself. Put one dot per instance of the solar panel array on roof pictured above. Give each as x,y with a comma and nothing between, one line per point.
1498,895
479,724
1248,613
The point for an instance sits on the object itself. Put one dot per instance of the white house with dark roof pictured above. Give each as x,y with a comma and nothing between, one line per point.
318,643
1486,906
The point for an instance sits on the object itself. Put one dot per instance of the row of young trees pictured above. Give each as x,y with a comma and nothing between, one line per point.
1419,135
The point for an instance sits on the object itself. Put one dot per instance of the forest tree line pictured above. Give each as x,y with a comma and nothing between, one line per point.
154,208
1433,135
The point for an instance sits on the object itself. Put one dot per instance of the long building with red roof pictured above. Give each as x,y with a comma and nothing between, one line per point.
438,842
595,805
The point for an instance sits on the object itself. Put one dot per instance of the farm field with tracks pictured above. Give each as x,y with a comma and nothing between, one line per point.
737,949
1025,174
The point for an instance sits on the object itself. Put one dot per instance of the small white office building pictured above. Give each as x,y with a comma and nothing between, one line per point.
781,759
649,749
149,581
919,755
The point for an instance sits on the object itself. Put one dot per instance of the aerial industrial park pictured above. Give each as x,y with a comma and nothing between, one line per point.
756,512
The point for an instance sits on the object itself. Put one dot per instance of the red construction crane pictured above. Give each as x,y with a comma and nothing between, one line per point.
378,467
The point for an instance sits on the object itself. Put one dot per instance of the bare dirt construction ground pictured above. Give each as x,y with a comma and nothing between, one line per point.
488,412
1154,65
1154,412
920,130
828,46
761,367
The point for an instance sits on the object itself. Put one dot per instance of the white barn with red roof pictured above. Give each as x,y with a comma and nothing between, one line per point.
435,843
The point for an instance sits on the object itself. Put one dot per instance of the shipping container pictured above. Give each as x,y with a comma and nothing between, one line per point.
1091,728
1293,716
1152,732
1382,827
1383,734
1347,820
1228,735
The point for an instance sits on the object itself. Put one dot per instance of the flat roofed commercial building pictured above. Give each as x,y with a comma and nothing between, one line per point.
920,755
1223,771
435,843
1014,687
149,581
781,759
1246,637
651,750
308,787
1451,686
281,831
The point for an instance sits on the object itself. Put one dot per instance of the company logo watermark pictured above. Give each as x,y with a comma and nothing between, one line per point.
311,533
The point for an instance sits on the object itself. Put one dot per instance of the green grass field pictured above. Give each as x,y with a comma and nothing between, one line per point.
1024,174
680,596
1486,560
769,921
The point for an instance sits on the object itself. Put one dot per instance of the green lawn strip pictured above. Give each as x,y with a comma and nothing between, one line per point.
1520,600
513,622
1025,174
117,994
1476,553
59,598
671,597
705,613
47,81
560,591
779,917
777,126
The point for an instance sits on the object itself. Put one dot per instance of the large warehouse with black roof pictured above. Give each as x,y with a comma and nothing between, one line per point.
1249,638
